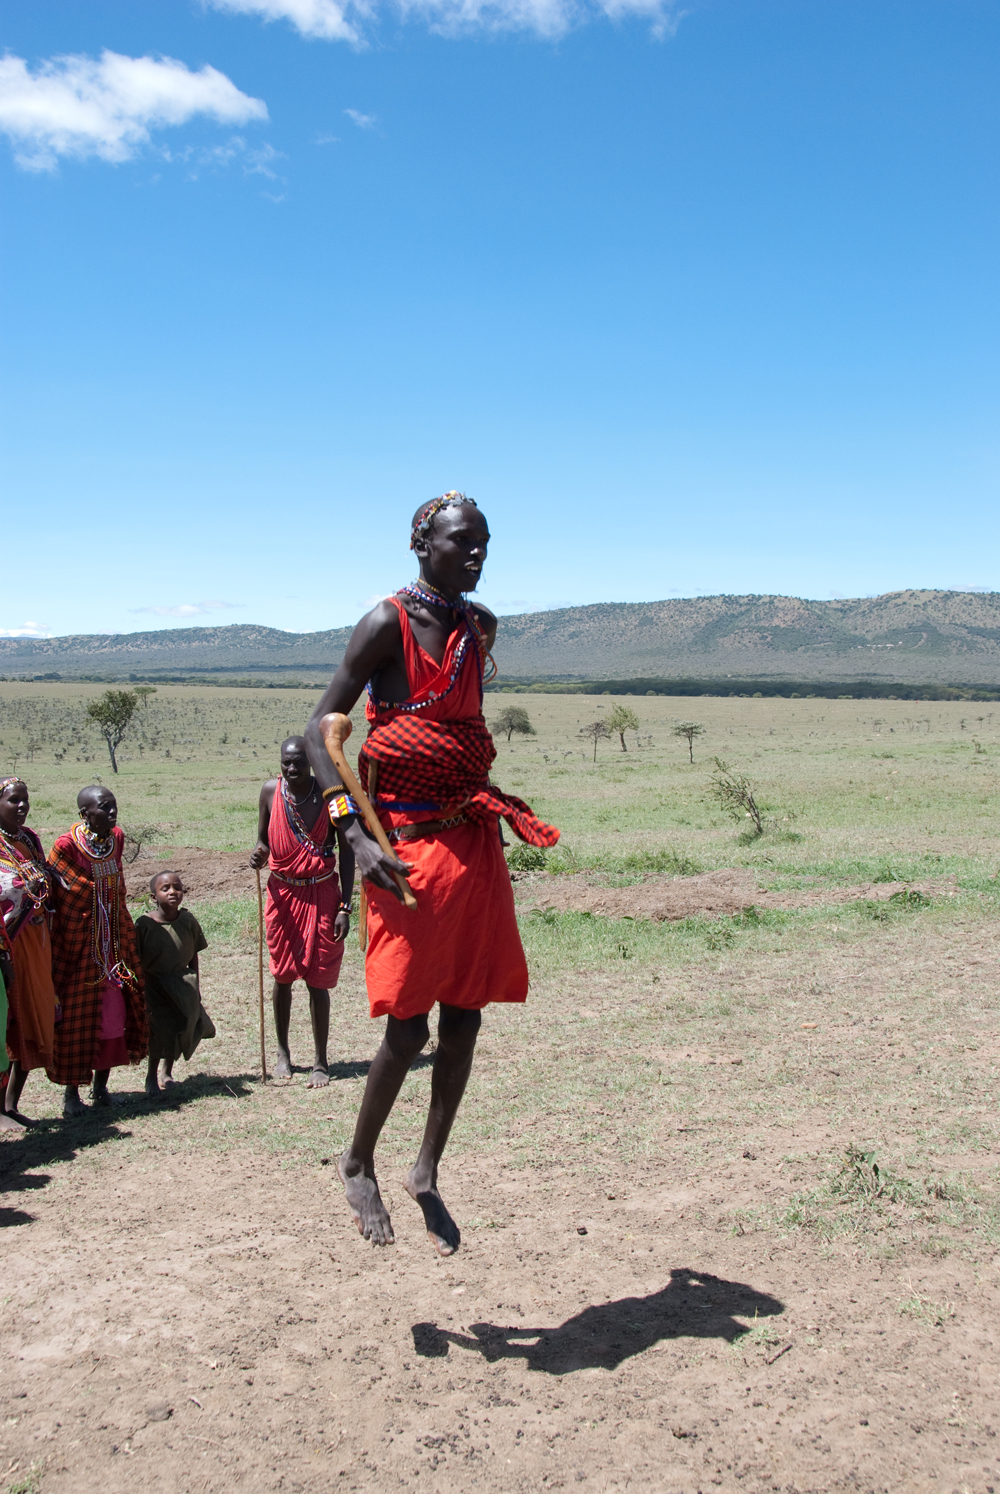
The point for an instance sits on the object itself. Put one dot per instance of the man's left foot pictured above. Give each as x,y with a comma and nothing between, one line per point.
282,1067
319,1078
22,1120
442,1230
8,1123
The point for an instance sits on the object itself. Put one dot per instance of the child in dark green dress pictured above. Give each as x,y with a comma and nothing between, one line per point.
170,939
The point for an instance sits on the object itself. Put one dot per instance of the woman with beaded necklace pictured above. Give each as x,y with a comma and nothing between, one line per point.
95,963
25,906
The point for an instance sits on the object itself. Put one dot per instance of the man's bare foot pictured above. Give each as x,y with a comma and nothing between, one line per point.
22,1120
168,1080
100,1099
442,1230
8,1123
153,1090
365,1202
282,1067
72,1104
319,1078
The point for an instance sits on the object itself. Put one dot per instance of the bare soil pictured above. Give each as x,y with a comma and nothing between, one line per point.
188,1306
712,894
209,876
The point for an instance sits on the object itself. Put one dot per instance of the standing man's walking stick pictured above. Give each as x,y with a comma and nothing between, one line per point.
260,975
336,728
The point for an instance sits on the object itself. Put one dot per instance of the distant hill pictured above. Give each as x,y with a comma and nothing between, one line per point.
914,637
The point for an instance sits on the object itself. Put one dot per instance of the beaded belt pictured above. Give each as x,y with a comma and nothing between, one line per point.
428,827
302,881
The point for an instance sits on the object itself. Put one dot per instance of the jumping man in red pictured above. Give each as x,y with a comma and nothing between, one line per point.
425,766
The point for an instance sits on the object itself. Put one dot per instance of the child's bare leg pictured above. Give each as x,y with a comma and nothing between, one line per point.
457,1033
167,1071
15,1084
319,1011
281,1003
390,1066
152,1083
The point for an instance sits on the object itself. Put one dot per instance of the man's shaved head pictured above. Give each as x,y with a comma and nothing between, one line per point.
294,744
93,794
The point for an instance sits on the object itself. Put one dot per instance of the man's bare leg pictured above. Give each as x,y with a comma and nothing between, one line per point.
281,1002
99,1089
153,1090
319,1012
390,1066
457,1033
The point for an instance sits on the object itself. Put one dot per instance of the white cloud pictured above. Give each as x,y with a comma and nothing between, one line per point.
547,18
255,160
363,121
26,630
76,106
187,609
321,18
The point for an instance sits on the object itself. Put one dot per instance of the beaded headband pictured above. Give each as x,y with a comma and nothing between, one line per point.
5,783
426,515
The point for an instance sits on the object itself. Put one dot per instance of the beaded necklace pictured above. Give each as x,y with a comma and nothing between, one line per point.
423,591
298,827
106,877
29,869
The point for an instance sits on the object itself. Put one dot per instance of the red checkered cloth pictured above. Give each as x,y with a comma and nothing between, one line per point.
447,762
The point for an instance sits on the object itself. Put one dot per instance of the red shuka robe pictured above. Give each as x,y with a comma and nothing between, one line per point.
97,980
303,895
461,946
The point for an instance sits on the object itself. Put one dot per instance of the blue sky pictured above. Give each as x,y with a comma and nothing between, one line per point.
692,300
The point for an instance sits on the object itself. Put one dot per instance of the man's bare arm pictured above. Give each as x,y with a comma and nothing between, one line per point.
261,851
374,646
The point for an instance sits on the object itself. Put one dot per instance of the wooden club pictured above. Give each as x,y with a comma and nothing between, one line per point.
336,728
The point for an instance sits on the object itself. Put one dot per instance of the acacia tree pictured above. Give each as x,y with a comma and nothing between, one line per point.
144,692
514,719
597,731
621,720
113,712
689,730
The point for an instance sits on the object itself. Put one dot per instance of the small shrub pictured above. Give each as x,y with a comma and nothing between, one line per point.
525,858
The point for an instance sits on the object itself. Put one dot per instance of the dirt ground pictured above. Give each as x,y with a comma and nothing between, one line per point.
209,876
637,1301
708,895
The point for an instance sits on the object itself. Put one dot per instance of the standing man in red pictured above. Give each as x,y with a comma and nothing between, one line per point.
95,959
308,908
425,766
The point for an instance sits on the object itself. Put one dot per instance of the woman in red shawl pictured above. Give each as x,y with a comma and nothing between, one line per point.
25,907
426,766
95,964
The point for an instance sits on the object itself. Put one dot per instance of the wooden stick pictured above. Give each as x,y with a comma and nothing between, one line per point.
336,728
260,975
362,895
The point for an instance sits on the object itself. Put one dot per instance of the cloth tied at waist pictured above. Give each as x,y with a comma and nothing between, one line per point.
447,762
302,881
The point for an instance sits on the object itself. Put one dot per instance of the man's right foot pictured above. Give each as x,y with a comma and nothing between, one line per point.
153,1090
282,1067
8,1123
22,1120
367,1208
73,1106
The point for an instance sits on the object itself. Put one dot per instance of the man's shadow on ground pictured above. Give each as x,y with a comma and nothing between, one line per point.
59,1140
692,1305
357,1068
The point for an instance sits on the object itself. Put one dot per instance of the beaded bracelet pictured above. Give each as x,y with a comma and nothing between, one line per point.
341,806
344,908
335,788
